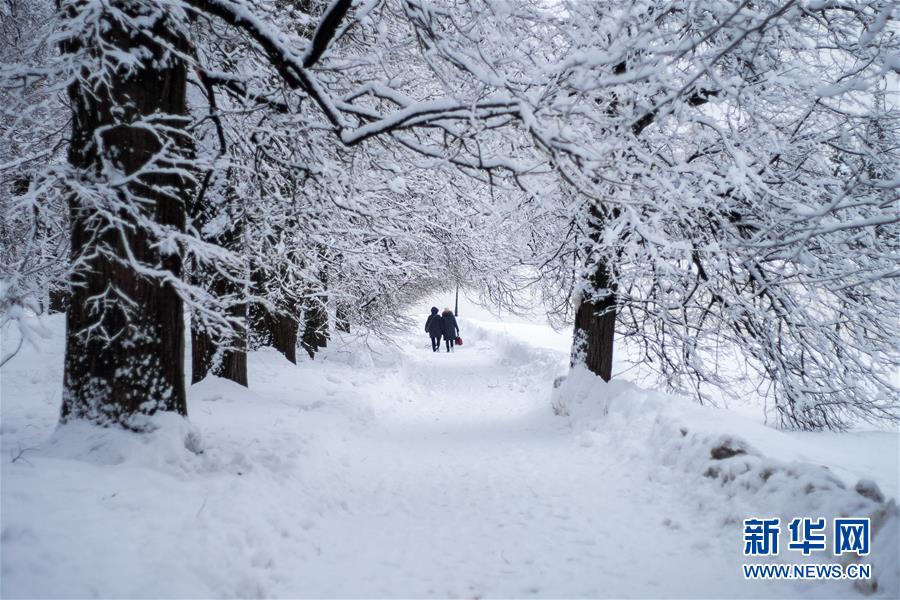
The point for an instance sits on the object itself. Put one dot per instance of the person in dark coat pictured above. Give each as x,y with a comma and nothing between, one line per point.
451,329
434,325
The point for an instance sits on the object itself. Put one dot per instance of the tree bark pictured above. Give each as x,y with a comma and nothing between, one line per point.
202,352
595,318
284,336
233,363
124,331
315,331
595,326
260,329
226,358
278,330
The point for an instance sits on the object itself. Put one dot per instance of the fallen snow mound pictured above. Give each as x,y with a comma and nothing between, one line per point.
730,478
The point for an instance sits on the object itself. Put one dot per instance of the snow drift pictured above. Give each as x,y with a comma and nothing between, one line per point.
706,451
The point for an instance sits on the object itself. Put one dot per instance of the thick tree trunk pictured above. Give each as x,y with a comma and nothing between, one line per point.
595,326
124,331
233,363
203,349
284,336
595,317
208,354
276,330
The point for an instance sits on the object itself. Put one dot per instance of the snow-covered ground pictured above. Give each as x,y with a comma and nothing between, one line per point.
383,470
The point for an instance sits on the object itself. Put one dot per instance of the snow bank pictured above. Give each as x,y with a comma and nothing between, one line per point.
168,442
730,478
517,344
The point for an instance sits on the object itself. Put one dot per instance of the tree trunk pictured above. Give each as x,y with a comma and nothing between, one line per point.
233,363
595,318
284,336
260,326
315,331
202,352
595,326
125,331
226,358
268,329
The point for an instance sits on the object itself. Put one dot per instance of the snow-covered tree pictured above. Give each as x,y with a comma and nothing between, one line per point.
707,178
736,192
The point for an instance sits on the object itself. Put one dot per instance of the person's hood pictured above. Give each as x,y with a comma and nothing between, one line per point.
434,310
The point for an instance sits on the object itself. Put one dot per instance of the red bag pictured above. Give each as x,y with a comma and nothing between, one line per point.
459,341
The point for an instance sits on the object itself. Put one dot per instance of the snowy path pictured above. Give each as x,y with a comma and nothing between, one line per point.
398,473
471,490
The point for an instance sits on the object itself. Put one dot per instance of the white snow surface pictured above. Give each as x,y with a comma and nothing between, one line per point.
385,470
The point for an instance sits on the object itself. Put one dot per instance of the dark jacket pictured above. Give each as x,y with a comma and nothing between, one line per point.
434,325
451,329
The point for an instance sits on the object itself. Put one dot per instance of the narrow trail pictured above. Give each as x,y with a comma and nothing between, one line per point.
472,489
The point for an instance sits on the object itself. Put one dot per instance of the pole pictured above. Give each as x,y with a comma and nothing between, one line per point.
456,304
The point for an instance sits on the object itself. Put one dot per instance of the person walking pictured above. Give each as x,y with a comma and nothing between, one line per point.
451,328
434,325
